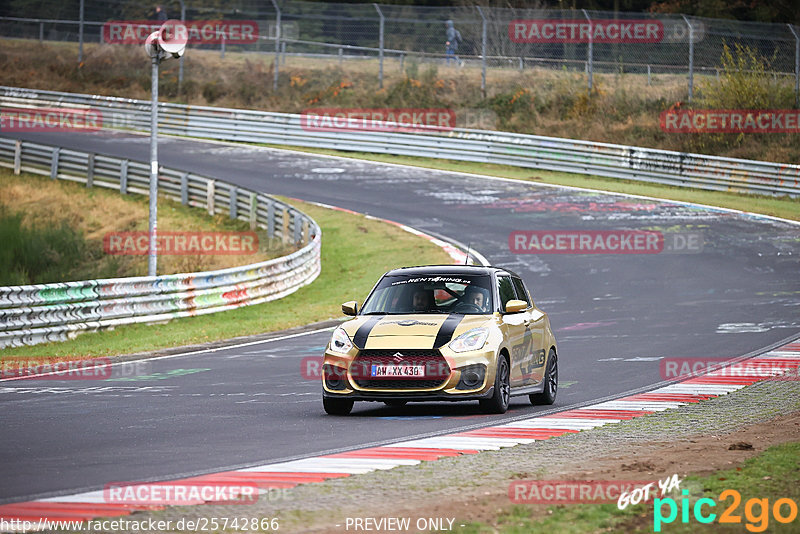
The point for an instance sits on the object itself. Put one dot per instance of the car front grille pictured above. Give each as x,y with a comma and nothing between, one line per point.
437,371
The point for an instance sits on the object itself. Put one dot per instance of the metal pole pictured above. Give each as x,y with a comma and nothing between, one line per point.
589,53
41,32
80,35
277,44
180,61
691,57
483,51
153,220
222,47
796,67
380,46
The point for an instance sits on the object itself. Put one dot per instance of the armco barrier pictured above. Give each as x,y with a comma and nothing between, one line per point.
530,151
54,312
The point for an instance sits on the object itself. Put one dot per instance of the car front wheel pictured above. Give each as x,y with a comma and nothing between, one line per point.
498,403
548,394
335,406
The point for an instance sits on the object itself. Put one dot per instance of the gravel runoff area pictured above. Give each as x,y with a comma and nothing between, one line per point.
475,487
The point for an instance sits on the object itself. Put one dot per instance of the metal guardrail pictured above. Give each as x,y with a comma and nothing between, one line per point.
530,151
54,312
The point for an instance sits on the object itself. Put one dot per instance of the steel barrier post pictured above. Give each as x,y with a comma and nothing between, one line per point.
380,46
80,34
123,177
483,51
691,57
17,156
152,255
796,66
277,44
54,163
589,53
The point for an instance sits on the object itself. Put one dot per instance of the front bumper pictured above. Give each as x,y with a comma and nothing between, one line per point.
351,383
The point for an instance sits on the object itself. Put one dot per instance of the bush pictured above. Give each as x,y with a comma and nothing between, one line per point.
37,254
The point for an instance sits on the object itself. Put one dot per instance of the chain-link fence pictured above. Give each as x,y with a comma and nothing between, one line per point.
382,37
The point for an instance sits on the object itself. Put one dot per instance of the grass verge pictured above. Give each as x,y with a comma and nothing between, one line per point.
356,251
783,207
766,478
37,206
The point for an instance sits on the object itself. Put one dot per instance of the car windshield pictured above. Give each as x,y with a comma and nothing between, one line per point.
400,294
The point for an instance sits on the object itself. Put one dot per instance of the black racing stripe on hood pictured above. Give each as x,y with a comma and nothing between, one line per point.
449,326
360,339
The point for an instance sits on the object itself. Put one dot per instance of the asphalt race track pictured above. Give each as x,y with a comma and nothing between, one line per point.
616,317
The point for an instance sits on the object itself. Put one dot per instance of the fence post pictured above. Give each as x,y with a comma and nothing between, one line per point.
123,177
54,163
180,61
589,53
41,32
17,156
222,47
691,57
80,35
271,220
185,188
796,67
483,51
234,198
277,44
380,46
210,197
253,211
90,171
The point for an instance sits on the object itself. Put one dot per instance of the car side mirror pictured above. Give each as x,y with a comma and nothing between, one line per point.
516,306
350,308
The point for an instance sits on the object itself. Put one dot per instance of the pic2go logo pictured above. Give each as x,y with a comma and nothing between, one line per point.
756,511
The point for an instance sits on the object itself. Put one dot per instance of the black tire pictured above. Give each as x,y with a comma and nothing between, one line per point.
395,403
502,389
335,406
548,395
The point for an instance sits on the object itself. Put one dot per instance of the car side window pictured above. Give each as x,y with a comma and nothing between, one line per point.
505,289
520,287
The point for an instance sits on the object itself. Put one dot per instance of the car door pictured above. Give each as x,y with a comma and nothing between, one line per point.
514,326
532,363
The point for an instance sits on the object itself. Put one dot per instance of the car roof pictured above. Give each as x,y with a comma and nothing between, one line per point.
438,270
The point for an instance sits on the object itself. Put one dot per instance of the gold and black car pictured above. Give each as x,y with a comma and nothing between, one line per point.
442,333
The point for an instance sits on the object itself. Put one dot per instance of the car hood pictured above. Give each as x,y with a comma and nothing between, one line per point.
412,331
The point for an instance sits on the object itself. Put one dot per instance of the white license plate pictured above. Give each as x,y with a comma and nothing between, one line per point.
399,371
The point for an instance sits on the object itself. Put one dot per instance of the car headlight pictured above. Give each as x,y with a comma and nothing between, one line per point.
340,342
471,340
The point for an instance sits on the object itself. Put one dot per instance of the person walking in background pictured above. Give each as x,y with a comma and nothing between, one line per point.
161,14
453,40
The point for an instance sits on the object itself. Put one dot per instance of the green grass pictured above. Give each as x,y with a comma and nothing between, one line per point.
37,253
356,251
774,474
783,207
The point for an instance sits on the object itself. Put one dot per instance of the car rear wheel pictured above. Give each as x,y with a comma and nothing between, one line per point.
502,389
335,406
548,395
